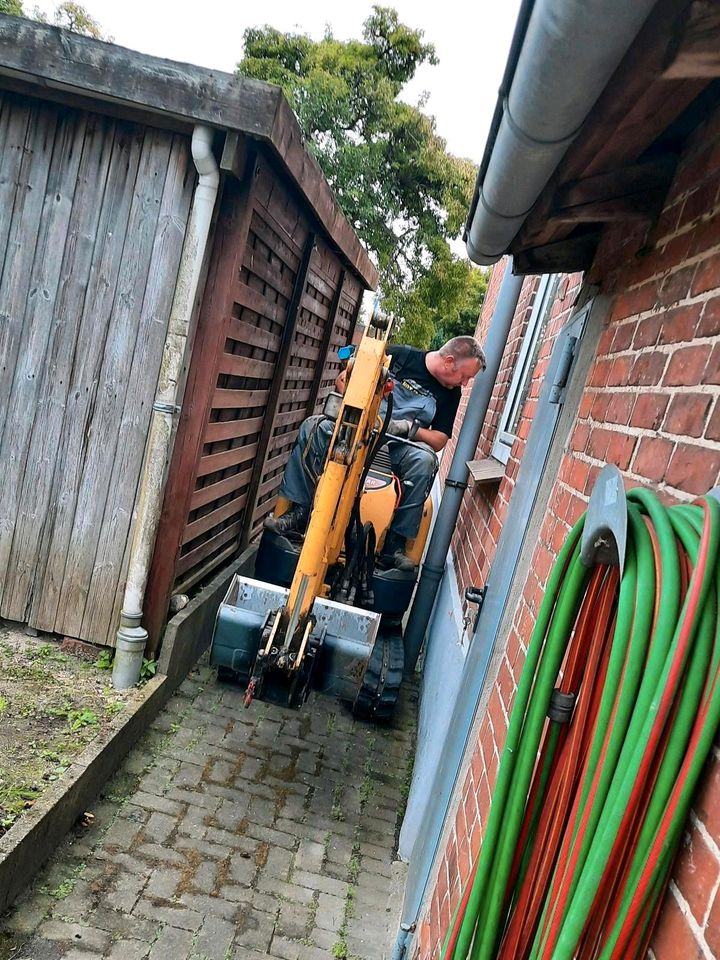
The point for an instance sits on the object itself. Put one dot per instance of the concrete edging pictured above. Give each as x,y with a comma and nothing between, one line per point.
34,838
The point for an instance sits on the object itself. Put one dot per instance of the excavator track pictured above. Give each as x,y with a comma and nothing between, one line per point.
378,694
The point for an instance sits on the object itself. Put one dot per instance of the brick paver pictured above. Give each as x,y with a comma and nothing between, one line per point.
232,834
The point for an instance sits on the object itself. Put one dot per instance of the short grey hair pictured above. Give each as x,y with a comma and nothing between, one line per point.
463,348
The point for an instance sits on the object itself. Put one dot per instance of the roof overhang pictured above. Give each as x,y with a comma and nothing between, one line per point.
619,164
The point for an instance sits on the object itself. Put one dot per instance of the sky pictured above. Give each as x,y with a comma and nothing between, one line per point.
471,39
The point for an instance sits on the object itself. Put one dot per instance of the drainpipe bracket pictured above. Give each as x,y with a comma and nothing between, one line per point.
456,484
161,406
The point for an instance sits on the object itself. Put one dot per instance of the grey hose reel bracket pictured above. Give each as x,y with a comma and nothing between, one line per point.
604,537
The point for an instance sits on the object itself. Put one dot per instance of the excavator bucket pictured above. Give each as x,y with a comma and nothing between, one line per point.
344,638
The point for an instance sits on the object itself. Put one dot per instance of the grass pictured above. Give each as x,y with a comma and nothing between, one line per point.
52,704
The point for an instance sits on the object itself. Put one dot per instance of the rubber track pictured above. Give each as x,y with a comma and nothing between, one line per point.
383,676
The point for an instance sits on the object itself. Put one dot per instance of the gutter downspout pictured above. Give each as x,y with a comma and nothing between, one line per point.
132,636
568,53
457,478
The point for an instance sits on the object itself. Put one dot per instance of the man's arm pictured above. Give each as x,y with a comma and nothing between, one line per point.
433,438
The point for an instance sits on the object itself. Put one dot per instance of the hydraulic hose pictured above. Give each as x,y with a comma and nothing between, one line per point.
587,816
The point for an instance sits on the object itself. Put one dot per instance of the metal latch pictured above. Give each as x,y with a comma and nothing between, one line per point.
476,595
557,392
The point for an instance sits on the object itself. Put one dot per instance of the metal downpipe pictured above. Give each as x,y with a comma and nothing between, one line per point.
457,478
569,51
131,635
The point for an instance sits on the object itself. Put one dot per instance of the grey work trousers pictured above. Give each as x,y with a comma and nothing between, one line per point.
414,465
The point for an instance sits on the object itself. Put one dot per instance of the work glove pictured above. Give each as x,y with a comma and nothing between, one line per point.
406,429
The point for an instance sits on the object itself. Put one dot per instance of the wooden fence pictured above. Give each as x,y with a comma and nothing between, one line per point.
93,214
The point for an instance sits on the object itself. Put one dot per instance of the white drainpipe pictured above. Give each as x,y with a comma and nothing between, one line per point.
132,636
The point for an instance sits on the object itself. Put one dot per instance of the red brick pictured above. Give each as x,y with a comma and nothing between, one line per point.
619,408
647,332
687,366
623,337
707,276
693,468
696,872
620,449
709,325
712,931
586,403
605,342
599,407
698,203
619,372
652,458
712,374
598,443
686,416
680,324
599,373
649,410
713,427
673,939
676,286
632,302
706,804
647,370
578,475
706,235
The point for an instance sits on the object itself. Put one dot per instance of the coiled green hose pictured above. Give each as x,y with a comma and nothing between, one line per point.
650,732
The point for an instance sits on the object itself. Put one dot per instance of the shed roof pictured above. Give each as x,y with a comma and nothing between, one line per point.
47,61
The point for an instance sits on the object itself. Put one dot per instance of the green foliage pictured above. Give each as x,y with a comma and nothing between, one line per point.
73,16
148,670
82,718
105,660
12,7
396,182
68,15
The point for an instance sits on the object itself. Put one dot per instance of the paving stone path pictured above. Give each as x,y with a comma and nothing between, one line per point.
232,834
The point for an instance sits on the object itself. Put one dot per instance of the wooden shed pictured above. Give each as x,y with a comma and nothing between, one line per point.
96,181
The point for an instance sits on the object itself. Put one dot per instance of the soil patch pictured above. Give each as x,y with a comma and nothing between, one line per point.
52,704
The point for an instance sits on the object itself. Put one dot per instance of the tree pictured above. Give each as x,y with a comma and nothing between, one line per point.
13,7
394,179
69,15
72,16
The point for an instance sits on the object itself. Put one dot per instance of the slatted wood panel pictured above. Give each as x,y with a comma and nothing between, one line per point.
92,220
302,371
253,317
343,325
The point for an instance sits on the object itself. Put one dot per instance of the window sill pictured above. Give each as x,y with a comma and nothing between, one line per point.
487,470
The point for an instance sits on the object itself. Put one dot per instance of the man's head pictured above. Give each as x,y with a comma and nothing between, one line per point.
457,361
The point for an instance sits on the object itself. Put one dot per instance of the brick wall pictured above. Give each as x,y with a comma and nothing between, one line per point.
651,405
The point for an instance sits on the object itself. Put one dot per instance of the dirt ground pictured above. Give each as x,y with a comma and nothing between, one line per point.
52,704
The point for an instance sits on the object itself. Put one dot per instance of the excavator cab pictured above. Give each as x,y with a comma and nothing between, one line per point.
323,610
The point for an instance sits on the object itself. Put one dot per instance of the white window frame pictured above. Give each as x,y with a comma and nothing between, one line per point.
504,440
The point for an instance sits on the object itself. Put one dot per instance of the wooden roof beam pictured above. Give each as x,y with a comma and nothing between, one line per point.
697,51
635,192
574,253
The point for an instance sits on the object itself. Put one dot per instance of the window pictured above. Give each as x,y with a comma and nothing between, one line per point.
524,366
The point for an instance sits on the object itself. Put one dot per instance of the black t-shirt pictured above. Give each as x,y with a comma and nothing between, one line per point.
408,363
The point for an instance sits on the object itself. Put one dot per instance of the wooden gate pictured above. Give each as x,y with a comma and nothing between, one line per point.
277,303
93,214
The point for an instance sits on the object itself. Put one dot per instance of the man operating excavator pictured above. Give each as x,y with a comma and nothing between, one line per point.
426,394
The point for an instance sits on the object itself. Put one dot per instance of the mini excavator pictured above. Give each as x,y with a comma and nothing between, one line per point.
323,611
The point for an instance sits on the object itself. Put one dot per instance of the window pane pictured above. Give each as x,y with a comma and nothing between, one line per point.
537,333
